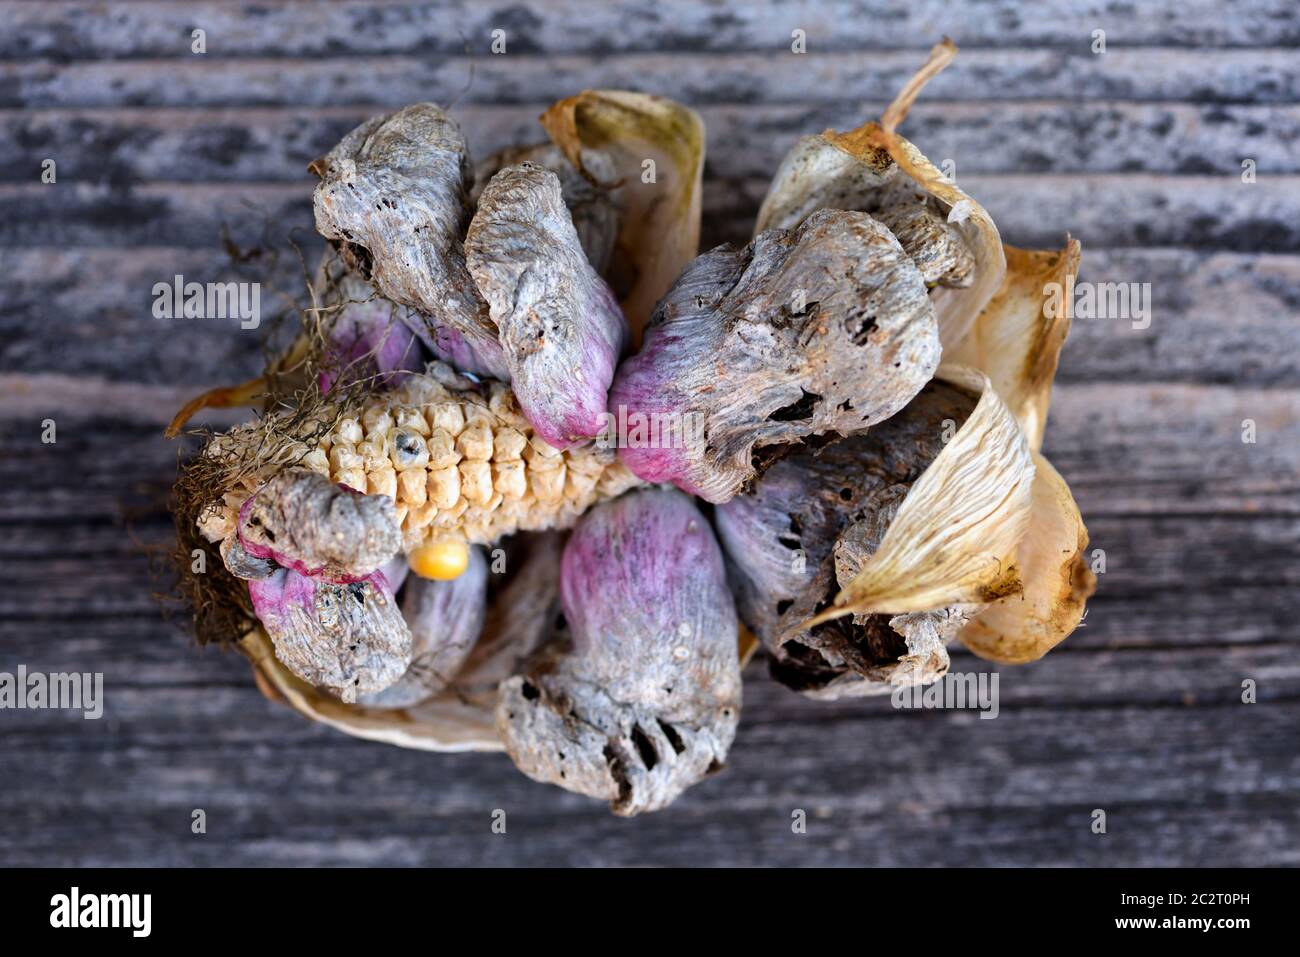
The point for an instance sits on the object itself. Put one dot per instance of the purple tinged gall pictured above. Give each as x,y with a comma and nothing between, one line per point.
349,639
825,329
303,521
644,698
369,342
560,325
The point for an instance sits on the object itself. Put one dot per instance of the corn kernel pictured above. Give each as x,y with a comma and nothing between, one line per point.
446,416
376,420
442,450
509,479
476,482
347,432
507,444
344,459
382,482
441,560
444,486
475,443
352,478
548,484
411,486
410,419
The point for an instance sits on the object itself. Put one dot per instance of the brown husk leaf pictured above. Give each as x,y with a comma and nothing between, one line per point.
660,228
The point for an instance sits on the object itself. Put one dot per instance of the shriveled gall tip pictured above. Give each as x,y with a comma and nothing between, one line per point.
937,248
644,699
867,169
821,330
303,521
445,619
393,198
803,532
349,639
243,565
559,324
870,182
593,200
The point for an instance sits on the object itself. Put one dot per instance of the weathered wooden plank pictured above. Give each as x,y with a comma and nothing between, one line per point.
1138,210
264,145
135,29
1202,212
878,787
1177,448
1229,76
1216,318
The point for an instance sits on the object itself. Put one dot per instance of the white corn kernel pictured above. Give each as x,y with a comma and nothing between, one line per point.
344,459
509,479
411,419
475,443
507,444
442,450
412,486
444,486
382,482
409,450
547,484
476,481
446,416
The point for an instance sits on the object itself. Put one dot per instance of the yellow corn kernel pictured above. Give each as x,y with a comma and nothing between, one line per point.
441,560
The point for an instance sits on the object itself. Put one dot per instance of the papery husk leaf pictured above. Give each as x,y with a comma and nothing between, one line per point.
660,230
1017,339
1056,580
443,723
520,619
803,184
954,538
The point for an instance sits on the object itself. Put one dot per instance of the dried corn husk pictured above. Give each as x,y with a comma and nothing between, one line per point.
848,170
1017,339
953,540
1056,580
1017,342
613,133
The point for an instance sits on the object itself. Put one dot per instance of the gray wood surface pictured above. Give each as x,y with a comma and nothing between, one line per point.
1136,152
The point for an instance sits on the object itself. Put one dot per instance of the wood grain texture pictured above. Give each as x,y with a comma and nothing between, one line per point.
1137,153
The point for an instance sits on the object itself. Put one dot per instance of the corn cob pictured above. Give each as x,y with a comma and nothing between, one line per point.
458,459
